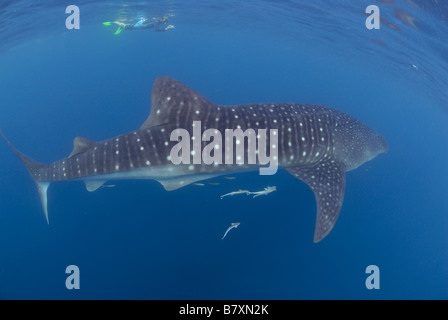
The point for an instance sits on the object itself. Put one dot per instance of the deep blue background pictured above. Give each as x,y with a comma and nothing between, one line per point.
139,241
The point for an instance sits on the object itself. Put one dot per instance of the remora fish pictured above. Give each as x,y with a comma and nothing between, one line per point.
316,144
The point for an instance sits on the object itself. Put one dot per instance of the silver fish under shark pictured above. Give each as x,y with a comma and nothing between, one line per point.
316,144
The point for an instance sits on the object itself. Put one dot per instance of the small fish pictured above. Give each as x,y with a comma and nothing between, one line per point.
266,191
235,192
108,186
212,183
230,178
198,184
233,225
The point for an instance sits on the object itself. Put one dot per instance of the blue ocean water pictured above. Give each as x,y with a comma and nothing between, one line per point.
138,241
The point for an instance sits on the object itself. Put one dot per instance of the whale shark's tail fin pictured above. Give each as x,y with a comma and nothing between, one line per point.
34,168
32,165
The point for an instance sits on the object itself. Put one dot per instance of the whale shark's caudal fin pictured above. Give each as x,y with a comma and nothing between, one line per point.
34,168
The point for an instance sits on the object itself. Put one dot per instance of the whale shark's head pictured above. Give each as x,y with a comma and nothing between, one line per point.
355,143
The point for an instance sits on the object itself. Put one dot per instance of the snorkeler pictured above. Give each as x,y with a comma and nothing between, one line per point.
154,23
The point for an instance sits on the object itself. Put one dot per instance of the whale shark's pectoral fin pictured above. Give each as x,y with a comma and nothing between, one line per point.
327,180
93,185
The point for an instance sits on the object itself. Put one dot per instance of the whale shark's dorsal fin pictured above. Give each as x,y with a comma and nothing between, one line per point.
172,102
327,180
81,145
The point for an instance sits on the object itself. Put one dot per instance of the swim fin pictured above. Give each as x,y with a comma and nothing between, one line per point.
107,23
118,30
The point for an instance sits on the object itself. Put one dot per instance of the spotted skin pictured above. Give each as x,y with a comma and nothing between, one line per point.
316,144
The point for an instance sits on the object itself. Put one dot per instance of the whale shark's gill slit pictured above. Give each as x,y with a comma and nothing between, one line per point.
327,180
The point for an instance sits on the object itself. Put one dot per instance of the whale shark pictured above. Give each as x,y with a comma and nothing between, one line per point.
315,144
